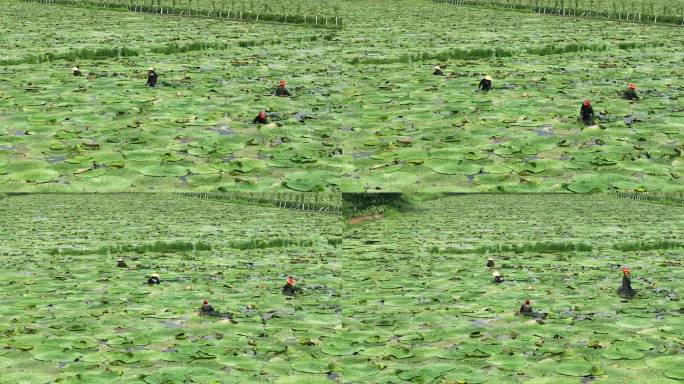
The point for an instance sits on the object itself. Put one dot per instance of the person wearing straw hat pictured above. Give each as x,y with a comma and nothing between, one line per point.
587,112
151,77
281,91
497,277
625,289
438,71
154,279
485,84
121,263
490,263
261,118
76,70
630,92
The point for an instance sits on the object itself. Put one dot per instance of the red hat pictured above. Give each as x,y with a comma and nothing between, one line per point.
631,86
206,302
281,82
586,103
625,271
527,302
290,280
262,114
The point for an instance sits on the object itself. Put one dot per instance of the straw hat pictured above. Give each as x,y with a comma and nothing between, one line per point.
75,68
488,78
154,275
495,274
150,69
490,259
438,67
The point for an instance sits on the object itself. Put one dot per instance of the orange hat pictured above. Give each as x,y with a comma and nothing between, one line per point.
262,114
290,280
527,302
631,86
625,271
281,83
206,302
586,103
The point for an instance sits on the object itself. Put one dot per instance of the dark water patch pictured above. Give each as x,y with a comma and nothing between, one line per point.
55,159
361,154
172,324
545,132
223,130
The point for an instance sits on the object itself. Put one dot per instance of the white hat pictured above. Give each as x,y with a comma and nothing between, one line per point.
490,259
154,275
495,274
438,67
488,78
150,69
75,68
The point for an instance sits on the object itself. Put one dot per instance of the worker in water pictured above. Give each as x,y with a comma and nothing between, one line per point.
289,288
260,119
154,279
490,263
587,112
438,71
625,289
121,263
208,310
485,84
497,277
76,71
151,77
281,90
630,92
526,308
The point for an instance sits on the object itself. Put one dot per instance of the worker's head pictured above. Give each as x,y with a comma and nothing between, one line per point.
437,67
281,83
75,68
527,302
631,86
625,271
120,260
496,274
155,275
585,103
488,78
150,69
206,302
262,114
490,259
290,280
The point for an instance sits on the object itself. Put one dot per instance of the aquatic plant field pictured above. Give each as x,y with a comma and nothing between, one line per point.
415,311
74,317
404,298
366,111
